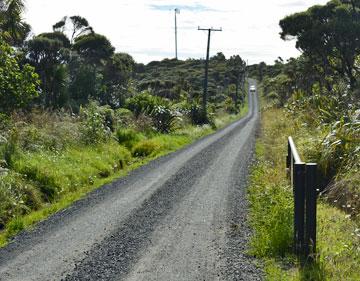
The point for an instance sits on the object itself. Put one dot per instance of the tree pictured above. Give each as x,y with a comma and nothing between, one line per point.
48,52
330,32
85,82
280,86
18,86
94,48
261,70
79,26
117,73
236,74
60,26
12,27
220,57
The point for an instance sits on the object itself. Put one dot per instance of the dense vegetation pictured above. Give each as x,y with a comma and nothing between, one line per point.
271,212
74,113
315,98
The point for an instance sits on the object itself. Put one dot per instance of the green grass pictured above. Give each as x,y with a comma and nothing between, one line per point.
58,173
271,211
53,180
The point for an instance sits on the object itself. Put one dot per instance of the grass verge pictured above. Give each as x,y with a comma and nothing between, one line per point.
271,211
68,176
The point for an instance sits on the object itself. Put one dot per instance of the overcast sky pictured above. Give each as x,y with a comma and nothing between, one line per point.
145,28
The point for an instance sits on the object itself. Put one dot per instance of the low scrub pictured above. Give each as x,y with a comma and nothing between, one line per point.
128,137
17,197
96,125
59,173
271,212
146,148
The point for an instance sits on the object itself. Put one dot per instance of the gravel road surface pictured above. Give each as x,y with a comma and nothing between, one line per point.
180,217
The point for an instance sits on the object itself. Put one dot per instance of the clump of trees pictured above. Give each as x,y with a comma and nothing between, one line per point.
72,65
328,35
18,84
322,86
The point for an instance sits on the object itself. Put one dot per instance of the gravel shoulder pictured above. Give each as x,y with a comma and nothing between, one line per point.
180,217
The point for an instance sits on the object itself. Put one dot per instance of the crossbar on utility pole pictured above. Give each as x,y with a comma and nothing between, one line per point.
205,94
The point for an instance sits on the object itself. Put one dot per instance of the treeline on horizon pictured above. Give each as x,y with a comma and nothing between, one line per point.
71,65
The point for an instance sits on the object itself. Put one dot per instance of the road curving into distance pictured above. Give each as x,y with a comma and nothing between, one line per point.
180,217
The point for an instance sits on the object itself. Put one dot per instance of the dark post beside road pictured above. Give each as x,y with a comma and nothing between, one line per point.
204,101
303,180
299,208
310,216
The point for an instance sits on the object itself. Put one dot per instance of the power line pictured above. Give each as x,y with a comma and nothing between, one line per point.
205,94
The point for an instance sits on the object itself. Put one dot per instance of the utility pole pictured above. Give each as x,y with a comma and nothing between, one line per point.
204,101
177,11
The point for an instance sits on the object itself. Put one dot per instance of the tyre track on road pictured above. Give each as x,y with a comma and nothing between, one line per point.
169,220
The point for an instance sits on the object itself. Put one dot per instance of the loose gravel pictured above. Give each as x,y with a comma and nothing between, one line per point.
181,217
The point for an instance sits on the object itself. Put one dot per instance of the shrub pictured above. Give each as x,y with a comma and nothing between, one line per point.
9,149
124,117
230,106
144,123
18,86
94,128
128,137
146,148
163,118
144,103
196,114
340,148
17,197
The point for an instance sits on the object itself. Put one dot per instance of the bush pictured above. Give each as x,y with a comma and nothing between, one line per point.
340,148
163,118
95,128
124,117
16,197
230,106
18,86
196,114
128,137
9,149
146,148
144,103
144,124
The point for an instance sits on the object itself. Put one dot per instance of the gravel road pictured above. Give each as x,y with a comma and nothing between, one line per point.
180,217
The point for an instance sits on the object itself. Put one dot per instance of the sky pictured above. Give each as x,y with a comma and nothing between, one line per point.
145,28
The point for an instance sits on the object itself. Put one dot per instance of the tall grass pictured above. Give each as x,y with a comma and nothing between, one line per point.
57,173
271,211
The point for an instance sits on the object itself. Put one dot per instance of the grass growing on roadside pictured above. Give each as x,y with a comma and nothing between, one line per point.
58,173
271,211
66,176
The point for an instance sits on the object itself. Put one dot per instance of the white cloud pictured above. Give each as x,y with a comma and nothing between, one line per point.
145,28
